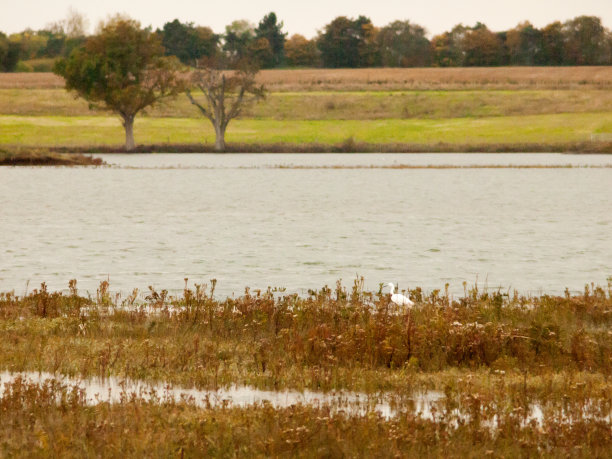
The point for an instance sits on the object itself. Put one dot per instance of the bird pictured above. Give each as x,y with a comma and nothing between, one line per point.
398,298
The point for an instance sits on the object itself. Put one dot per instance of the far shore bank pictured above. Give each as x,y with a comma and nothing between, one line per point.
82,155
34,157
348,146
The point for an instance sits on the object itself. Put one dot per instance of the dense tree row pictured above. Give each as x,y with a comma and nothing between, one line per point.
346,42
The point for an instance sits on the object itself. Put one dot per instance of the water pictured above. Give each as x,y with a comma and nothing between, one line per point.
113,390
157,219
424,404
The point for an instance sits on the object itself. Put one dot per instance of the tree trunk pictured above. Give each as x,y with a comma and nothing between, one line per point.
219,137
128,124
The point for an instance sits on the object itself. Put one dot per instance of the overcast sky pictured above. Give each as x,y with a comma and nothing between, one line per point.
306,17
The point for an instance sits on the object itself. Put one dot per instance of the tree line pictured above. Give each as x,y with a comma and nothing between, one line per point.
344,43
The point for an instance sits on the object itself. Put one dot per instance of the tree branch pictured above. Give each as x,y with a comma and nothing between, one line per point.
204,111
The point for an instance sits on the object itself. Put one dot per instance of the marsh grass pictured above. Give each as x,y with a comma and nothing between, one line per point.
494,355
333,338
54,420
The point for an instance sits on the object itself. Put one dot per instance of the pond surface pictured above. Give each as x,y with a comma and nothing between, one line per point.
157,219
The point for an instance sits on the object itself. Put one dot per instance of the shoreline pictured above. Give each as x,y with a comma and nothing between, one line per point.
80,155
41,157
347,146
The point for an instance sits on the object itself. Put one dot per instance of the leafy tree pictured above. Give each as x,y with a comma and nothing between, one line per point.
585,41
30,43
237,41
188,42
301,52
525,45
448,49
225,96
403,44
481,47
270,29
260,52
122,69
607,51
56,44
369,48
553,44
9,54
347,42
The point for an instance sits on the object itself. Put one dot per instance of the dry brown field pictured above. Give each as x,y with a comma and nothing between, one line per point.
438,78
393,78
30,81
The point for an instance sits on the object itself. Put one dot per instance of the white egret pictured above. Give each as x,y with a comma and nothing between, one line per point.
398,298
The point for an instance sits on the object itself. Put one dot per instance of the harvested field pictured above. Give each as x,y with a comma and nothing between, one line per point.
30,81
438,78
394,78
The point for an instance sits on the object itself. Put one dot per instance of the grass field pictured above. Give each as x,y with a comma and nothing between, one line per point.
97,130
458,109
328,105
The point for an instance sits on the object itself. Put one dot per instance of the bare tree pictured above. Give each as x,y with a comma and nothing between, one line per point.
226,94
75,24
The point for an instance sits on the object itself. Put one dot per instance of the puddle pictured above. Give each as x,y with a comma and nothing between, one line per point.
425,405
114,390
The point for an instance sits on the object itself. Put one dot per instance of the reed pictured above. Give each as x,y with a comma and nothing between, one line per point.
493,354
334,338
53,420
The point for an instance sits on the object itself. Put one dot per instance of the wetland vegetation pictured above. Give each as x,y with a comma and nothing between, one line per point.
492,354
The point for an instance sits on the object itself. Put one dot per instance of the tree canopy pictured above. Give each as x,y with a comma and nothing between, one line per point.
344,42
9,54
403,44
122,69
188,42
301,52
237,41
270,29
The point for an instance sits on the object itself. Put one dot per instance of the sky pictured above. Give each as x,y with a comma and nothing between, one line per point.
307,17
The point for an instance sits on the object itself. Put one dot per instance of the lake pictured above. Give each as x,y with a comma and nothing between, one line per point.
242,219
